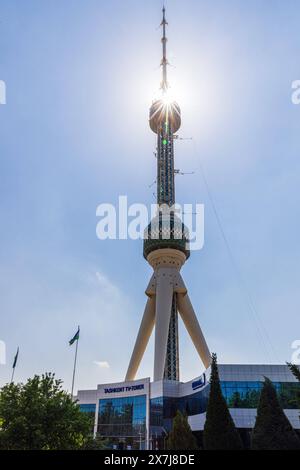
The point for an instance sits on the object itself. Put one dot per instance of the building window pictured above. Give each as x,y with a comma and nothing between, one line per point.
90,410
246,394
237,395
123,417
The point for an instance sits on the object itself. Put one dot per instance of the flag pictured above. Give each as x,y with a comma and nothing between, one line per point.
75,337
15,359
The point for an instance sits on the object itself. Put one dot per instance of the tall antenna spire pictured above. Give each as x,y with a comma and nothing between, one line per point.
164,61
166,248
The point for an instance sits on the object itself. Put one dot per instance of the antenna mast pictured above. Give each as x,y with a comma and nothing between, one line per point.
164,61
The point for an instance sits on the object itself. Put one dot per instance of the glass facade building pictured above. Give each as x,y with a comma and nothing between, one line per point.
88,408
237,394
246,394
163,409
123,416
139,414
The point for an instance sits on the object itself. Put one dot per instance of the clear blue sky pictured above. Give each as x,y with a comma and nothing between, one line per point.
74,133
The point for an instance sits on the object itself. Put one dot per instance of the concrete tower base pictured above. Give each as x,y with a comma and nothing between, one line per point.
165,281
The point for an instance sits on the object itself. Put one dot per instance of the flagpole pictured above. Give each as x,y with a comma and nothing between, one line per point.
14,365
12,375
74,369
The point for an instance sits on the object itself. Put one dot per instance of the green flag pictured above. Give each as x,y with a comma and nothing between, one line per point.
75,337
15,359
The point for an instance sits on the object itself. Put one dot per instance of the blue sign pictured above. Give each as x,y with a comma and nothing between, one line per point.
199,383
130,388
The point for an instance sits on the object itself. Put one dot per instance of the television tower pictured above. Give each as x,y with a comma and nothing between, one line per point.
166,249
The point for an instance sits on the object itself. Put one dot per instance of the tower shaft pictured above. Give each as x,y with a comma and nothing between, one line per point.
172,357
165,165
166,196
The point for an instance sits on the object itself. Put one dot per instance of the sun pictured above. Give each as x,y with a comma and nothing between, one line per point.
167,98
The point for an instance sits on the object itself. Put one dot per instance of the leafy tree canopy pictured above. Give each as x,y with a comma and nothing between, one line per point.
41,415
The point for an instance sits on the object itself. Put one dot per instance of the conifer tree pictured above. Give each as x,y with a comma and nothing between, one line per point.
220,432
272,430
181,436
295,370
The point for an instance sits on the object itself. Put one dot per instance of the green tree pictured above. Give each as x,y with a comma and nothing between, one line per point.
272,430
235,401
219,429
295,370
98,443
181,436
40,415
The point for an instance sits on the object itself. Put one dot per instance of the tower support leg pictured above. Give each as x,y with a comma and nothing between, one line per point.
142,339
164,299
192,325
